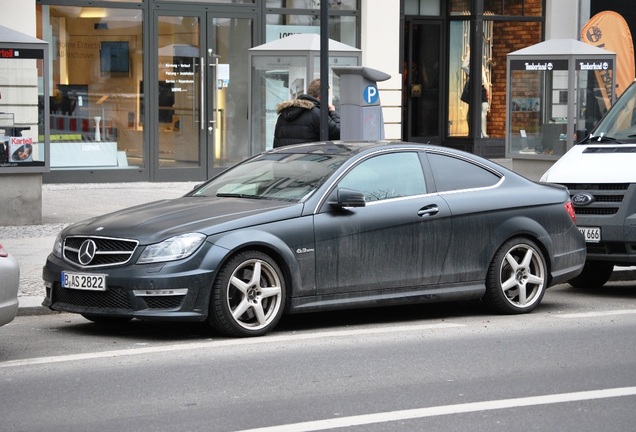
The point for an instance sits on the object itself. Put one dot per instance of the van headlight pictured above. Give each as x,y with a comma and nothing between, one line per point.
172,249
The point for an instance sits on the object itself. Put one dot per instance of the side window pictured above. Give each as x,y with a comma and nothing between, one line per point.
451,173
387,176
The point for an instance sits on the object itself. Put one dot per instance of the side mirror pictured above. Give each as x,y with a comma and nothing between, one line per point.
348,198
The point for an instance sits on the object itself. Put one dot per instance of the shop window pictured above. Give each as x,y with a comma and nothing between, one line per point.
312,4
525,8
497,43
96,106
200,1
460,7
422,7
341,28
22,108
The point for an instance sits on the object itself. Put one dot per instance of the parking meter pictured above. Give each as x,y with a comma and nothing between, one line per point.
360,110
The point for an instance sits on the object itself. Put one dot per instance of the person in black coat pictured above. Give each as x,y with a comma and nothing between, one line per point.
299,119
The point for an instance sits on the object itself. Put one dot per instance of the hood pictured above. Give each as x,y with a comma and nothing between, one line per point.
594,163
156,221
292,109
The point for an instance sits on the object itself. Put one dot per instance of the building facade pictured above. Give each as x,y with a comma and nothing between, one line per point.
158,90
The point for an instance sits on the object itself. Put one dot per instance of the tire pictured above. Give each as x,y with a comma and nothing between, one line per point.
106,320
594,275
517,278
248,296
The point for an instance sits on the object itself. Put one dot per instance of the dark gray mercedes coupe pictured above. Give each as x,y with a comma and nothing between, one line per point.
317,227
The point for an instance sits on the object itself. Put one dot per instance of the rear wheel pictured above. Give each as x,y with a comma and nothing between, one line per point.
517,277
248,296
594,275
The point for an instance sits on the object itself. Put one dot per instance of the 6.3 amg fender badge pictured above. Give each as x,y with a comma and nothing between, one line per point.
582,199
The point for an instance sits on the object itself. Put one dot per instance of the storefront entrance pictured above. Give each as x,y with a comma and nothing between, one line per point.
199,108
422,90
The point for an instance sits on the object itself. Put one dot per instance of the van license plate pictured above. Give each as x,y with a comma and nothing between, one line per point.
591,234
84,281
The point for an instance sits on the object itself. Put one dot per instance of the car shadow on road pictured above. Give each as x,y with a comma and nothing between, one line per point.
614,290
382,315
158,331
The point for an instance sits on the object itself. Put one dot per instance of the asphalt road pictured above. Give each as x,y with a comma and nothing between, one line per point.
569,366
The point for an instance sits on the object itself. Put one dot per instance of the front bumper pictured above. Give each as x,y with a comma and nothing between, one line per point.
167,291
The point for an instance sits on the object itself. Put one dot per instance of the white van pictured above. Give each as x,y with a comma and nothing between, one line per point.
600,173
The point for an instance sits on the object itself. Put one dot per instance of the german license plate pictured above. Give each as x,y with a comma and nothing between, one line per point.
591,234
84,281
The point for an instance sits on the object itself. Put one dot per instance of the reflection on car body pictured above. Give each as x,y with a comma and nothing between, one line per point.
9,285
322,226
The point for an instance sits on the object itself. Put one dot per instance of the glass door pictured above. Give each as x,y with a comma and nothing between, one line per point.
228,39
175,103
199,108
422,84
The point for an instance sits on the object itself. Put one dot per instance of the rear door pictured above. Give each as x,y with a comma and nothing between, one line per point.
479,204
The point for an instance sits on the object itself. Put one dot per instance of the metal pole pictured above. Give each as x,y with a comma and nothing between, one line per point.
324,70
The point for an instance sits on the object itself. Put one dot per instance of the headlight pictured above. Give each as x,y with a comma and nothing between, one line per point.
57,246
172,249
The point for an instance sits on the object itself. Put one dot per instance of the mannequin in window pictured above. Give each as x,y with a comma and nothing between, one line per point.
485,106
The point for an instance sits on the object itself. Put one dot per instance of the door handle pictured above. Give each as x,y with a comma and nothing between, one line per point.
202,95
430,210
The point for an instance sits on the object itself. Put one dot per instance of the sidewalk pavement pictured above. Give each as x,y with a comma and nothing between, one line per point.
63,204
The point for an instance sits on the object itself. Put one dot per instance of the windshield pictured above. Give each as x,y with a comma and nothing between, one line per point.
620,122
281,176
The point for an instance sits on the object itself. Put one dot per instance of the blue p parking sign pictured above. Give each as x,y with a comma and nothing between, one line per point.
370,94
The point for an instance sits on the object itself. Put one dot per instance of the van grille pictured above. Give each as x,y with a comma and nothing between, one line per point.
606,197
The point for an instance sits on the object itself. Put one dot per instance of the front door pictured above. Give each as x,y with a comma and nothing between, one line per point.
199,107
422,90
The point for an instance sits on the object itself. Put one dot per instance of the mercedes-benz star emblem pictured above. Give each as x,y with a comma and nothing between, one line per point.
87,252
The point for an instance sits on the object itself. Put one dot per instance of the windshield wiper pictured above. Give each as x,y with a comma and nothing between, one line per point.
601,138
237,195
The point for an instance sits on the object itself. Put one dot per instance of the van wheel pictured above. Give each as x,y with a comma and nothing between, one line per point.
594,275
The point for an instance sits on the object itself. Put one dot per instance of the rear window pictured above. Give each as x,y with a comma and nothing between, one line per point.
453,173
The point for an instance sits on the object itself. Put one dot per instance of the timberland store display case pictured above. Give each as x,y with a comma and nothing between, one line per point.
556,92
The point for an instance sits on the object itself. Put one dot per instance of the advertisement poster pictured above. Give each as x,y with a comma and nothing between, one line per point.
608,30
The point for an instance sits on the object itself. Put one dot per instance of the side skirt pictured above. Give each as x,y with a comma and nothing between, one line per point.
455,292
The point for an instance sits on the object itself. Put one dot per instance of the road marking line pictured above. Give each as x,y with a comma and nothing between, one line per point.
598,314
225,343
392,416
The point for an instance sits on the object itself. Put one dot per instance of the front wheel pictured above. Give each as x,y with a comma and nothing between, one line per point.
594,275
517,277
248,296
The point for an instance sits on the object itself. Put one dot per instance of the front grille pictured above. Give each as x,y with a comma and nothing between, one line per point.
608,197
580,187
106,251
607,211
114,298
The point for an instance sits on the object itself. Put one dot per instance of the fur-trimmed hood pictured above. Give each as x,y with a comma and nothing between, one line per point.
294,103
